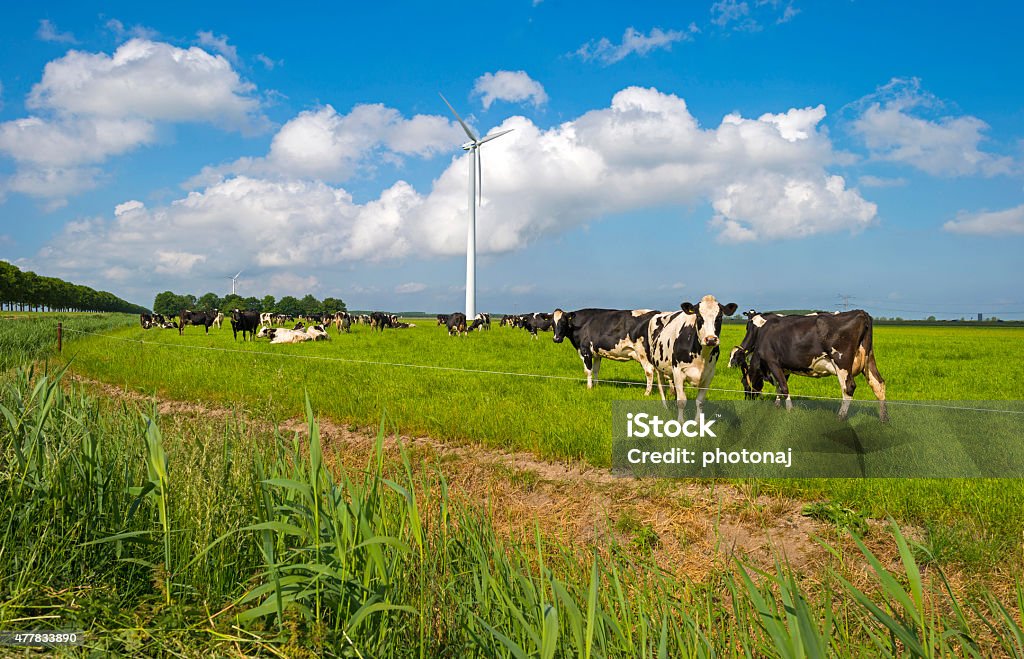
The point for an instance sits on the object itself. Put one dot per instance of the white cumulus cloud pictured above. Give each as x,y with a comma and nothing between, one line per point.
410,287
989,223
945,146
511,86
766,178
48,32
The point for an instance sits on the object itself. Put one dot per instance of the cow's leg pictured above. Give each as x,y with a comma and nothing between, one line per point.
705,381
781,385
877,385
847,383
597,366
588,366
661,390
679,378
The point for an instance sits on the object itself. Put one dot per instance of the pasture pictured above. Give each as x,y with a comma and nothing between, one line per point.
194,531
354,379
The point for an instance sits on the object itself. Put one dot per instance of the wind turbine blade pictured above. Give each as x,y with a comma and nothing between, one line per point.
495,135
461,122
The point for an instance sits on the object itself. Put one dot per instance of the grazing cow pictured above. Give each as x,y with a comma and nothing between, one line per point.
266,318
508,321
343,321
246,322
482,321
442,319
816,345
218,319
380,320
204,318
683,345
597,333
535,322
457,324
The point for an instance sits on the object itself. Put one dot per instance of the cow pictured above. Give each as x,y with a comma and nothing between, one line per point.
146,320
218,319
379,320
204,318
508,321
457,324
442,319
815,345
482,321
597,333
266,318
343,321
246,322
535,322
318,333
684,346
278,335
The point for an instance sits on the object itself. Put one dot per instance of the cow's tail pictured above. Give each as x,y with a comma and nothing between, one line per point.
874,378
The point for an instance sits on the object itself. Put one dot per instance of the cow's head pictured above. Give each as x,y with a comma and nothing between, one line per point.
709,318
561,321
267,332
738,358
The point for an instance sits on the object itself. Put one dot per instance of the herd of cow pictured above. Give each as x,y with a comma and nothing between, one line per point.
681,346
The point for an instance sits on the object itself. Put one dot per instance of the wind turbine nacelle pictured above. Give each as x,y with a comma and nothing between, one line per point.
468,146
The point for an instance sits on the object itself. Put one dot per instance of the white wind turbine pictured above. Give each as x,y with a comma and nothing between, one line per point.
475,172
234,280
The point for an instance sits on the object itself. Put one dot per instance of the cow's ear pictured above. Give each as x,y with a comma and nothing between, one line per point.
688,308
730,309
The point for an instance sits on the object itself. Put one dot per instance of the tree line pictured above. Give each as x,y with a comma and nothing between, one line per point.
24,290
169,303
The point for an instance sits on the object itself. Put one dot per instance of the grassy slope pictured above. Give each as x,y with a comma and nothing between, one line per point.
971,522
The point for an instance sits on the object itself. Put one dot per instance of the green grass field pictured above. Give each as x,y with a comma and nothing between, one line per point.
972,523
195,534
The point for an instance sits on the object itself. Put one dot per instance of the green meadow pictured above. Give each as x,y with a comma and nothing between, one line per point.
189,534
498,400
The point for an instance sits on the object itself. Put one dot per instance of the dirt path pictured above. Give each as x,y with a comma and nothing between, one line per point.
691,528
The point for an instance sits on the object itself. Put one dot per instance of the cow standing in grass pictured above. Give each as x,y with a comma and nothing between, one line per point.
204,318
597,333
683,345
839,344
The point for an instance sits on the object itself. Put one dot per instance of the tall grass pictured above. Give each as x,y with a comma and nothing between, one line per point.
972,523
28,337
197,537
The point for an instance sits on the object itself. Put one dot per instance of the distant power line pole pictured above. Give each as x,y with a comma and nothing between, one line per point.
846,300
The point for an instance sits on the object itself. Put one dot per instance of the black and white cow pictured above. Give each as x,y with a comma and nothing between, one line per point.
442,319
817,345
146,320
457,324
246,322
536,322
597,333
343,321
204,318
379,320
683,346
482,321
218,319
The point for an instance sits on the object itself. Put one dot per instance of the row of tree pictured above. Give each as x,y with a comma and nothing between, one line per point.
24,290
169,303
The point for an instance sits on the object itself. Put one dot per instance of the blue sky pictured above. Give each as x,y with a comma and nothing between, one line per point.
775,154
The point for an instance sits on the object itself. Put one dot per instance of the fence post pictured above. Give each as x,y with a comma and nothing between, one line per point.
60,337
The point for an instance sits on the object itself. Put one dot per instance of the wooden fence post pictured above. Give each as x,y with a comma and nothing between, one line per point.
60,337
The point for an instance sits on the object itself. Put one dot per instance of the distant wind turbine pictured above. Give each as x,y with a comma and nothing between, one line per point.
234,280
475,172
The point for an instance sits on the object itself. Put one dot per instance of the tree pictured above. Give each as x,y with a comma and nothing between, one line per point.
333,304
268,303
209,302
251,303
310,305
232,301
289,305
167,304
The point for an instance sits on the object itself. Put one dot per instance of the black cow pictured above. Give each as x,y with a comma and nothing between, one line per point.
379,320
146,320
457,324
246,322
816,345
683,346
204,318
536,322
597,333
442,319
